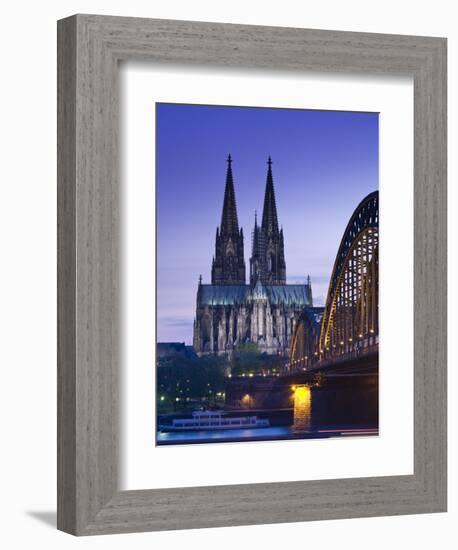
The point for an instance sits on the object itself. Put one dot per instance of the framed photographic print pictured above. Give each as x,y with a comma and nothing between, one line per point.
260,347
252,275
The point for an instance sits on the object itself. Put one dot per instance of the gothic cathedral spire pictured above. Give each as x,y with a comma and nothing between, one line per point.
257,253
229,221
268,255
228,267
269,213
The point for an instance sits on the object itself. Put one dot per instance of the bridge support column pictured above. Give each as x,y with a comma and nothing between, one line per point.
302,408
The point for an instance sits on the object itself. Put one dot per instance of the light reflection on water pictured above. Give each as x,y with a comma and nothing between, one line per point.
302,424
224,435
316,413
261,434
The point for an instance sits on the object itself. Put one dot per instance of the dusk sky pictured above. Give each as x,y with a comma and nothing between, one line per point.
324,164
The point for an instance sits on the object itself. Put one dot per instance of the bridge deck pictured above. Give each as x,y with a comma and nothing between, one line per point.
365,365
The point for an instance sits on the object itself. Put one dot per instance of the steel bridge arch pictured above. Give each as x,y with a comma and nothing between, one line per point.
304,345
350,319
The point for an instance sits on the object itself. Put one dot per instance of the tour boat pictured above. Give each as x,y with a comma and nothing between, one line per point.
213,420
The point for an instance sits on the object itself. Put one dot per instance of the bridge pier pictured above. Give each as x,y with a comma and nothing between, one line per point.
344,394
302,418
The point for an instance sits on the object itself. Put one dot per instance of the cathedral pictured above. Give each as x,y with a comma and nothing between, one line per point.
230,312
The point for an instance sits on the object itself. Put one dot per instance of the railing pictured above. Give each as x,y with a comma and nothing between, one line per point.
329,358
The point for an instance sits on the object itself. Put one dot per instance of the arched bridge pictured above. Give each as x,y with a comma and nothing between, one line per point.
348,329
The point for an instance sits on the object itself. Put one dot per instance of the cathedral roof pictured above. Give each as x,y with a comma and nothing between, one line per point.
288,295
224,295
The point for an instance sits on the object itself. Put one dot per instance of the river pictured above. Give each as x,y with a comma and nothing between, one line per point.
342,411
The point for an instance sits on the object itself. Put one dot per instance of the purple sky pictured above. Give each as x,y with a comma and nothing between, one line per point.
324,163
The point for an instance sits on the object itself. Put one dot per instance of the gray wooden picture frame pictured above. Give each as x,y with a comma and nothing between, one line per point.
89,49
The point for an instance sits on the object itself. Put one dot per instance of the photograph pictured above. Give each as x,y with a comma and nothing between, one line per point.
267,311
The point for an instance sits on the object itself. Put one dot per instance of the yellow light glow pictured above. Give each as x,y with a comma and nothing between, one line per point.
246,400
302,408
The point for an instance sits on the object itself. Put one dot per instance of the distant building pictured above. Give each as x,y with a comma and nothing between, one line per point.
229,311
168,350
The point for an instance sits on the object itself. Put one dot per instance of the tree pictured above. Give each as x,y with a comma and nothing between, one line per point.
247,360
181,379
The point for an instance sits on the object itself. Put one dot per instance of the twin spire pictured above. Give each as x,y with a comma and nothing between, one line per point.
267,262
229,221
269,213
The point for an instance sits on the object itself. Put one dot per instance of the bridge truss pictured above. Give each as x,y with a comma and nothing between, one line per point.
349,326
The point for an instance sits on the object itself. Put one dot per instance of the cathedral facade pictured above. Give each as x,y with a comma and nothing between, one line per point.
230,312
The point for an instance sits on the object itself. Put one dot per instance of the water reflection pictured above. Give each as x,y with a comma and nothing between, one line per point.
302,408
340,408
